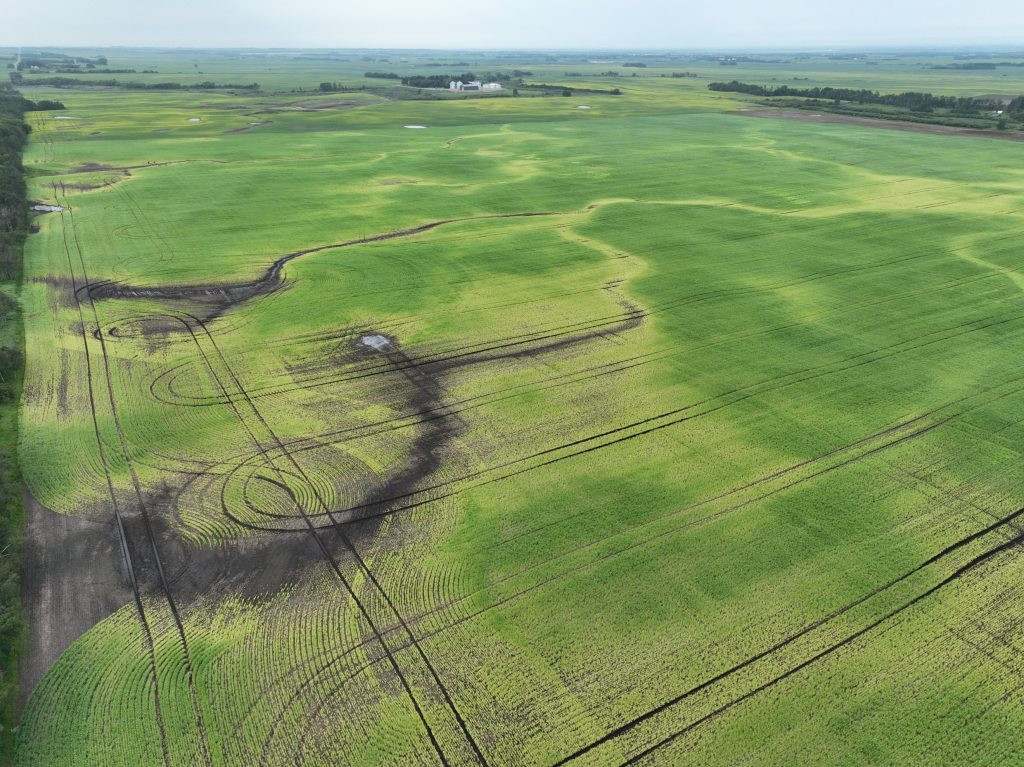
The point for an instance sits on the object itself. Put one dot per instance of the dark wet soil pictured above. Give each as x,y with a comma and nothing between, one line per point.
255,567
74,572
72,578
75,566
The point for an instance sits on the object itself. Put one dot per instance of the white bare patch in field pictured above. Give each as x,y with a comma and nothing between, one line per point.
195,119
376,341
47,208
64,117
416,127
583,106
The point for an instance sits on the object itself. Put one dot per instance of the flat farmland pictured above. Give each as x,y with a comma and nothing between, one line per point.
638,434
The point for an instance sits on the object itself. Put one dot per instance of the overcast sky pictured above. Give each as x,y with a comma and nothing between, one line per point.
512,23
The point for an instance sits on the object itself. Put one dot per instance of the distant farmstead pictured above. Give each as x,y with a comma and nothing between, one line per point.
475,85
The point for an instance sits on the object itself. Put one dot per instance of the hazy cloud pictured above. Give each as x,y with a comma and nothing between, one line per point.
521,24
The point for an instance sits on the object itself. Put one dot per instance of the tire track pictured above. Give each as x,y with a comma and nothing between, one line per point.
484,351
398,420
203,741
446,355
118,517
1000,524
188,321
237,293
952,578
643,427
899,435
898,432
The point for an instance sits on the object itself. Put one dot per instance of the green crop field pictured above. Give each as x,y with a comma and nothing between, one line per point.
640,433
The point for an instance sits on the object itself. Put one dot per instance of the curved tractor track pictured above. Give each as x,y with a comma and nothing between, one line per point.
316,527
229,295
157,561
133,550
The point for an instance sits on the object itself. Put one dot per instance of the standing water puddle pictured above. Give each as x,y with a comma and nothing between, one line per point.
375,341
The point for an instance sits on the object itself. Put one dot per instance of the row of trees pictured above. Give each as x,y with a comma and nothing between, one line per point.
13,229
914,101
104,71
43,105
74,82
515,77
973,65
436,81
47,61
13,209
970,66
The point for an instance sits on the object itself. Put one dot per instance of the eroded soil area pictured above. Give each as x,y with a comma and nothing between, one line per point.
73,578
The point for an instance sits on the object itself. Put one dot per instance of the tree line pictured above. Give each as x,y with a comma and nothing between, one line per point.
976,65
43,105
74,82
914,101
436,81
13,208
47,61
104,71
13,230
442,81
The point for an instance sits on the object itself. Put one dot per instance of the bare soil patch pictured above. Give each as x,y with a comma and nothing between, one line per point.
94,167
871,122
316,105
85,187
72,578
74,572
249,127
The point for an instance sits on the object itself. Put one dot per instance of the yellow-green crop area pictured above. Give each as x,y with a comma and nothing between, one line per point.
540,435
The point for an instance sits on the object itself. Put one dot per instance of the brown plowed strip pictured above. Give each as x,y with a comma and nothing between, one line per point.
871,122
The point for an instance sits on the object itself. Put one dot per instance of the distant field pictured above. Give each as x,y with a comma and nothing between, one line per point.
644,433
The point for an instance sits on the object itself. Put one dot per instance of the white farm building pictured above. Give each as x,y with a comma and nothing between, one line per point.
475,85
